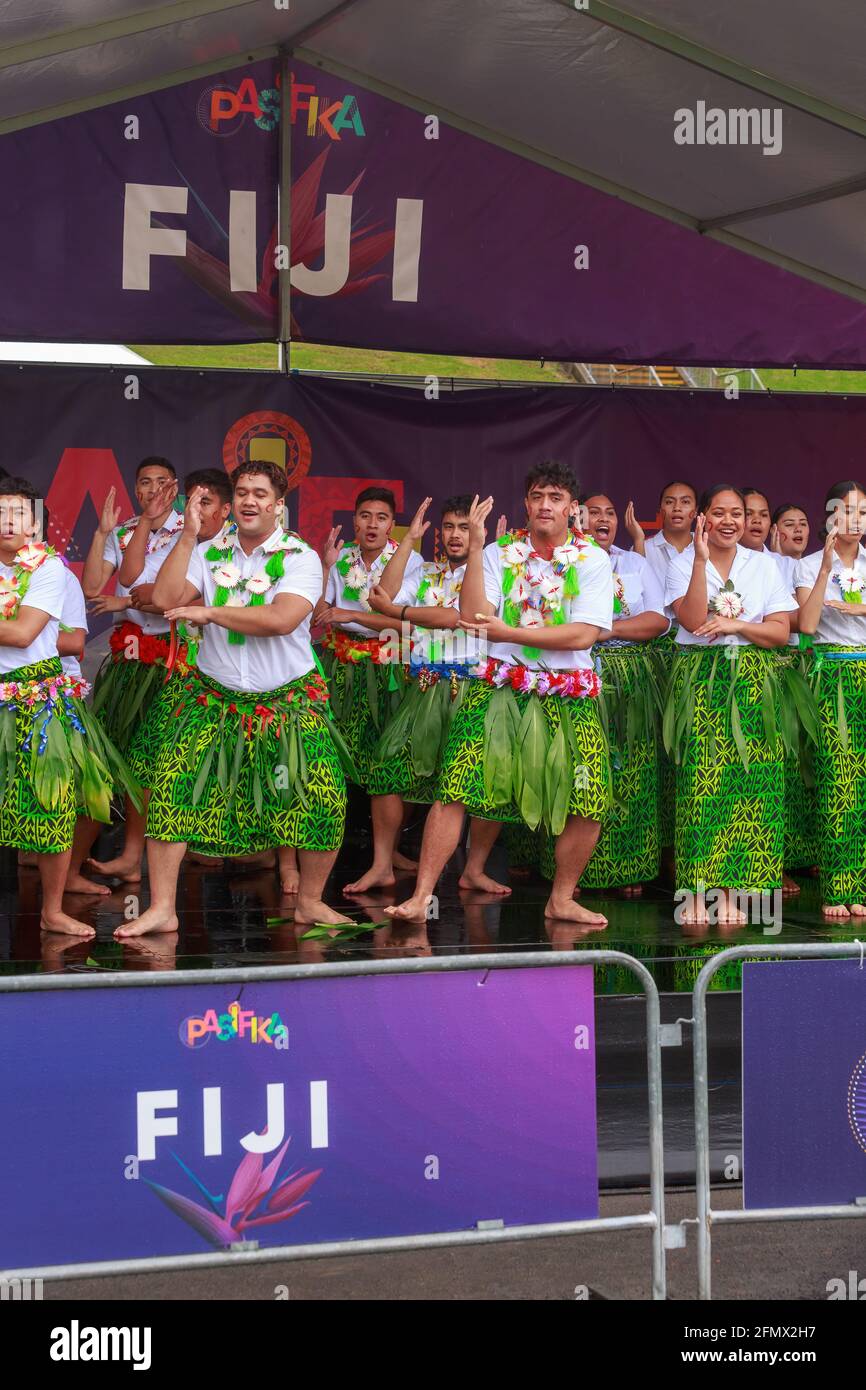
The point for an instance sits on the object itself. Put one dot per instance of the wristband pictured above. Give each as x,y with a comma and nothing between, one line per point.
403,612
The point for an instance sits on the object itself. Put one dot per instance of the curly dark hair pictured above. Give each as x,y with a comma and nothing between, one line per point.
551,474
262,468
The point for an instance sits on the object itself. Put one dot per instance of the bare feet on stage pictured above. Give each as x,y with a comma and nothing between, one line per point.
790,886
312,913
373,878
837,910
570,911
153,920
412,910
127,869
69,926
631,890
402,865
290,875
482,883
77,883
729,916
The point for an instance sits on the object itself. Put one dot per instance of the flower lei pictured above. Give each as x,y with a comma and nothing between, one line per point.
25,564
620,606
232,590
350,648
727,603
579,684
431,590
148,648
156,540
539,602
355,575
851,585
250,707
40,697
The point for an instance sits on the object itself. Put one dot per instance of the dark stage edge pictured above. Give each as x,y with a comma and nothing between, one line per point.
229,917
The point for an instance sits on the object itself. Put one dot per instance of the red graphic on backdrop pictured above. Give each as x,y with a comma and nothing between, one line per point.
321,499
269,434
82,473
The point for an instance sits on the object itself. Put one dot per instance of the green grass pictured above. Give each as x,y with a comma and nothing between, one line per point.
311,357
843,382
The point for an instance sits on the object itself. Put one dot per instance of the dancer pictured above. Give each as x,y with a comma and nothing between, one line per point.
677,508
758,521
253,760
789,533
724,713
442,657
52,751
628,849
126,687
831,587
365,673
527,741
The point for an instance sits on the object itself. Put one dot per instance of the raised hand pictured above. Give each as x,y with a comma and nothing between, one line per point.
331,552
160,499
632,525
775,543
829,552
501,527
418,525
702,550
192,512
110,515
478,514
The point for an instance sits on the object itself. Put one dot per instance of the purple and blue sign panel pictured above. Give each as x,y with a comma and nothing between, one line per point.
173,1120
804,1083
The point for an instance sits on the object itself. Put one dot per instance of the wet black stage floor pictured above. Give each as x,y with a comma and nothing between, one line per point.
235,915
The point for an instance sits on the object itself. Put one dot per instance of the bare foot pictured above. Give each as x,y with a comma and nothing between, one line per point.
60,922
731,916
312,913
373,878
695,916
77,883
154,919
127,869
290,880
566,910
835,910
789,886
482,883
412,910
402,864
27,859
631,890
858,910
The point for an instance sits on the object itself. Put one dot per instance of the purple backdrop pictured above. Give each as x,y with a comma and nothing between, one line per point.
429,1103
804,1082
496,265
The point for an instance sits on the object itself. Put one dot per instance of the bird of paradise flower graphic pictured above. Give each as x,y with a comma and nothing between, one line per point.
260,307
253,1199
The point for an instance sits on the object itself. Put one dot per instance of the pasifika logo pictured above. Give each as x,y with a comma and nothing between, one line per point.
223,109
235,1023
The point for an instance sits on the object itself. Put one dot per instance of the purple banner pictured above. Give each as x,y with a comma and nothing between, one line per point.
804,1083
154,220
190,1117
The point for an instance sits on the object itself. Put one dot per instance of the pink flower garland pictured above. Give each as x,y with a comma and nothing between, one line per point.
579,684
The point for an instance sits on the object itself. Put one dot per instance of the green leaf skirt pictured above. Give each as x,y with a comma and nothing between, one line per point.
55,761
723,726
240,772
663,650
127,702
801,805
840,775
408,754
364,697
524,757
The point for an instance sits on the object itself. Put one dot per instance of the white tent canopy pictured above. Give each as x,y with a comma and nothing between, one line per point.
590,90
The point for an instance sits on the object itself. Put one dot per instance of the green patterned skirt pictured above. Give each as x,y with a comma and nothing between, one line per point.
408,755
54,760
242,772
128,698
663,650
524,757
364,696
840,775
722,726
629,846
801,804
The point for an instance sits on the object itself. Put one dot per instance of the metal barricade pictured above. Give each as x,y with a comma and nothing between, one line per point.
706,1216
653,1220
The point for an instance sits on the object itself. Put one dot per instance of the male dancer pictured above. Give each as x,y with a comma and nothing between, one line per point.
432,605
361,702
252,761
551,587
127,687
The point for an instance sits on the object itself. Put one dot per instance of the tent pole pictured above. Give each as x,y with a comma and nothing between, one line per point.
285,228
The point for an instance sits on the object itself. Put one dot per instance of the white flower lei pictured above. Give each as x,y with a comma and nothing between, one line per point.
357,579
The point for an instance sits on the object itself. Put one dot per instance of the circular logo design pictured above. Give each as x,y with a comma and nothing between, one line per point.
183,1034
271,435
857,1102
213,110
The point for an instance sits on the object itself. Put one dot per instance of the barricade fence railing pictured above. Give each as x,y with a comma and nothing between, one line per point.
707,1217
652,1220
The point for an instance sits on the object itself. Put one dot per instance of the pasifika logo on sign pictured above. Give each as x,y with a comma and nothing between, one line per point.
235,1023
222,109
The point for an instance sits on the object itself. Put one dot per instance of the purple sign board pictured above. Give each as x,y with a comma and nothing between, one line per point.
171,1120
804,1083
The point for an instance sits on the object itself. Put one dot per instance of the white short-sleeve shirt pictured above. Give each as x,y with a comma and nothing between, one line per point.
593,605
846,629
659,554
45,592
160,544
335,591
259,663
787,564
643,591
755,577
74,615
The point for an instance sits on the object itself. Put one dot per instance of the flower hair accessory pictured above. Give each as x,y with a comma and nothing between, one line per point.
727,603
